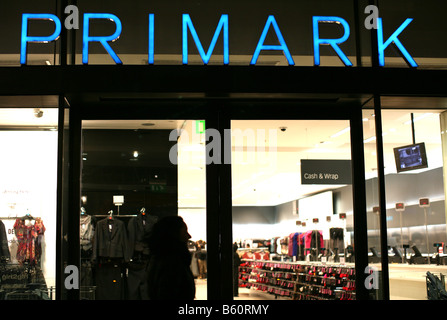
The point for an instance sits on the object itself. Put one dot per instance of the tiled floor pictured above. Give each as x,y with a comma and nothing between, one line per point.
244,293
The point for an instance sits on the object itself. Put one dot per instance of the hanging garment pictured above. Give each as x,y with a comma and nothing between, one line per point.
290,245
137,286
110,251
273,245
109,280
313,239
4,249
138,230
110,240
336,233
29,241
297,242
86,231
336,236
87,279
284,245
278,245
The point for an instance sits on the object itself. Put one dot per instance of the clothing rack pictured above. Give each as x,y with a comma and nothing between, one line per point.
117,216
111,215
14,218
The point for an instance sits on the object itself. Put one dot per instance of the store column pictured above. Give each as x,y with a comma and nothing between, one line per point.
443,119
219,211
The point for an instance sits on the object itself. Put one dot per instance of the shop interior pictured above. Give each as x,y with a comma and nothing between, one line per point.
127,172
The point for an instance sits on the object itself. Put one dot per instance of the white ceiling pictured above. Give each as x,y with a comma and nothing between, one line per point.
274,179
258,182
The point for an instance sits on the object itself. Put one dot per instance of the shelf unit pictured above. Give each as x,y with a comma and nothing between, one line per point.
299,280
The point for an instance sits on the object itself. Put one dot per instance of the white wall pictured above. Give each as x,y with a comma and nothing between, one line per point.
28,183
195,219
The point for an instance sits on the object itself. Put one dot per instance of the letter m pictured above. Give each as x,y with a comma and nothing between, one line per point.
222,25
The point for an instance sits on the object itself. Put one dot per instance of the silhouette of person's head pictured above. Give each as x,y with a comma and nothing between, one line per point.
168,233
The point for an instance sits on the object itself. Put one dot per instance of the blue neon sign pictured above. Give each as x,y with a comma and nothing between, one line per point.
222,28
42,39
393,39
332,42
188,25
151,46
104,40
282,44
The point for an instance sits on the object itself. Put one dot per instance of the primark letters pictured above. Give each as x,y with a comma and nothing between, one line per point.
221,31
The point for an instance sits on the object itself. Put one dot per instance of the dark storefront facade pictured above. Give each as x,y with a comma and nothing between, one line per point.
234,116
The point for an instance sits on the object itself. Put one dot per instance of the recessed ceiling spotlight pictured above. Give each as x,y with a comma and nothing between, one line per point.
38,113
148,124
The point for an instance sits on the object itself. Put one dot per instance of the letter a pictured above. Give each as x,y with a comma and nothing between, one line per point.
371,281
72,21
213,147
281,47
371,20
72,280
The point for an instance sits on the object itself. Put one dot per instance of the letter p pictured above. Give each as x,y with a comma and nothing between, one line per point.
25,38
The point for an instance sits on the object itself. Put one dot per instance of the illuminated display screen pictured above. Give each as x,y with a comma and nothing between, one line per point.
410,157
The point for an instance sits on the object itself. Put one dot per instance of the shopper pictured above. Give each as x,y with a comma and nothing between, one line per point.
169,272
201,259
236,264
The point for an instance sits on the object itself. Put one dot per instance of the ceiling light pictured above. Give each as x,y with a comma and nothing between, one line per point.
38,113
135,154
195,168
425,115
322,143
341,132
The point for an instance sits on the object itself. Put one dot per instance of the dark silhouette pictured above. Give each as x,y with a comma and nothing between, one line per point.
201,260
236,264
169,272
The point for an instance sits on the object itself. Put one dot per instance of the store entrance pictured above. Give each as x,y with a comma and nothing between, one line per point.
237,183
135,173
297,205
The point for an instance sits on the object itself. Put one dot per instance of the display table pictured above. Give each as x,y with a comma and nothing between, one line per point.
408,282
299,280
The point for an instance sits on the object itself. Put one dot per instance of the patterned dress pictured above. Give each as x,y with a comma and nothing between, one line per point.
29,248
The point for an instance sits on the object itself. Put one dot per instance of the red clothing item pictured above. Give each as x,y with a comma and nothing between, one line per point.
28,237
309,239
262,255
